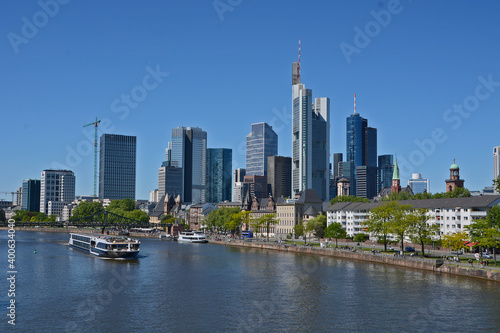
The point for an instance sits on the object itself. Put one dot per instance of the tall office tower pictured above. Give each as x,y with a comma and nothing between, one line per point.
189,152
261,143
337,158
496,163
279,176
31,195
238,190
361,148
169,180
117,165
219,178
57,189
366,181
310,138
385,171
418,184
257,185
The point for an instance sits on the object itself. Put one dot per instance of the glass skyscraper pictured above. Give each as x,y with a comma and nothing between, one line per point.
310,139
31,195
117,167
385,171
418,184
219,177
260,143
57,189
188,151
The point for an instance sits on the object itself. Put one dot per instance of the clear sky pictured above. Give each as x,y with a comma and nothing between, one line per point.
426,75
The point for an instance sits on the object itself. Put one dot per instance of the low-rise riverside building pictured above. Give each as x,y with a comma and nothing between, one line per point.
452,214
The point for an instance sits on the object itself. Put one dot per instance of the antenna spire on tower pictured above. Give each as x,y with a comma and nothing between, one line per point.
298,67
354,103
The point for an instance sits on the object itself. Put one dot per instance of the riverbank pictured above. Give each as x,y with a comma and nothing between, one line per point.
437,266
86,231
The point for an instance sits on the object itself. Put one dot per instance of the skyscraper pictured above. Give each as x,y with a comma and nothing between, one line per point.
188,151
310,139
260,143
219,178
361,149
169,180
385,171
117,167
31,195
57,189
279,176
418,184
238,188
337,158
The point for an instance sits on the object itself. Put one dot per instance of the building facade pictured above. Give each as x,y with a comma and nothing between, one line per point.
496,163
188,150
279,176
57,189
238,188
257,185
219,178
419,184
117,167
31,195
261,143
385,171
454,181
310,139
169,181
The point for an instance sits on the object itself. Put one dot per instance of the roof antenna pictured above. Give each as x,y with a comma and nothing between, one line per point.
298,66
354,103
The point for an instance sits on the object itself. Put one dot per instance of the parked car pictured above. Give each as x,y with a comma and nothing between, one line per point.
457,252
409,249
390,248
487,255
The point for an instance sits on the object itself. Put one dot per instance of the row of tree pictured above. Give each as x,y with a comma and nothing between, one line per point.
27,216
124,207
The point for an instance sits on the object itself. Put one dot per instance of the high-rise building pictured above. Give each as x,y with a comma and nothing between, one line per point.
337,158
257,186
418,184
219,178
385,171
366,181
57,188
31,195
310,139
279,176
117,167
496,163
238,188
169,180
361,149
188,151
260,143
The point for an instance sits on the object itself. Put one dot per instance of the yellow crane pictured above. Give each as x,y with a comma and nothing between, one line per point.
95,153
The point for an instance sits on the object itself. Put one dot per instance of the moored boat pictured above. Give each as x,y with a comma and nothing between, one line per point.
105,246
192,237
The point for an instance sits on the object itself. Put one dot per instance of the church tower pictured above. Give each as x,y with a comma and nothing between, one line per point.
454,180
396,184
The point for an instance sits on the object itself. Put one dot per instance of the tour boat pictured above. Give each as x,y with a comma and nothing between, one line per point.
192,237
105,245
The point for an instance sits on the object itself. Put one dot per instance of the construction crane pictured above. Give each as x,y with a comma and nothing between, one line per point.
13,193
95,153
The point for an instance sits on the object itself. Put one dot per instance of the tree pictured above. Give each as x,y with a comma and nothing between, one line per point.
455,241
400,223
485,233
420,231
240,218
299,229
348,198
2,216
396,196
265,221
317,225
219,219
379,221
87,209
496,184
335,230
361,237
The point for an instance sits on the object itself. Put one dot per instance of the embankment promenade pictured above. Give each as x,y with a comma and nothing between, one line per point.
435,266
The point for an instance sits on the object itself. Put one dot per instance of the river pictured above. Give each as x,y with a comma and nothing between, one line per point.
177,287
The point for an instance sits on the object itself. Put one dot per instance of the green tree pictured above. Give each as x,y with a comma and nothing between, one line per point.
265,221
219,219
458,192
241,218
395,196
299,229
496,184
335,230
87,209
348,198
379,221
486,234
420,231
361,237
455,241
126,205
2,216
317,225
400,223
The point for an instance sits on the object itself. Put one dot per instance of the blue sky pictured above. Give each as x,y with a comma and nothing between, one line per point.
426,75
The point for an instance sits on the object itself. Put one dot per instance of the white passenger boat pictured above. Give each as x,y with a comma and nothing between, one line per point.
192,237
105,246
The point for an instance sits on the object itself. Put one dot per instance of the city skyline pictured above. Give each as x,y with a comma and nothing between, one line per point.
421,88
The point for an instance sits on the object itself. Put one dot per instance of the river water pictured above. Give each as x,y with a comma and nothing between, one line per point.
177,287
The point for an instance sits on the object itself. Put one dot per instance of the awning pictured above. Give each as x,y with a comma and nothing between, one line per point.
471,244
